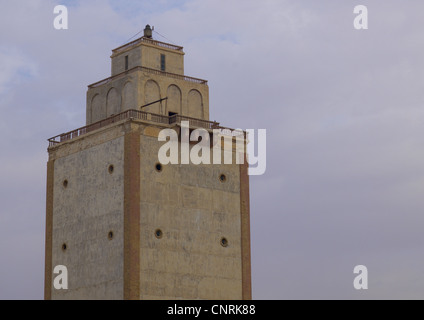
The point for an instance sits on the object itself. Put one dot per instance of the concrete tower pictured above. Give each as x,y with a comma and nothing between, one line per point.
128,227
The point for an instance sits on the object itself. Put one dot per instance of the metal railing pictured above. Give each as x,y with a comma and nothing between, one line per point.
134,114
148,70
150,41
194,122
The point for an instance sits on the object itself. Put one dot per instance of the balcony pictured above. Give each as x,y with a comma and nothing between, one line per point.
139,115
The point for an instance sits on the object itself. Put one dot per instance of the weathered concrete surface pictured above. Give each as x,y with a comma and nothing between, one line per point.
192,207
194,210
83,214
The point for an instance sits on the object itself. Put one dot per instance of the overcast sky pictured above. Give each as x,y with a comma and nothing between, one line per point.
343,110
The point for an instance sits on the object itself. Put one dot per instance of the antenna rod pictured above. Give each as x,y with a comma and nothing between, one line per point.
160,100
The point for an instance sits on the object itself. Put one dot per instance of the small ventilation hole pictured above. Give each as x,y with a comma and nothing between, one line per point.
158,233
224,242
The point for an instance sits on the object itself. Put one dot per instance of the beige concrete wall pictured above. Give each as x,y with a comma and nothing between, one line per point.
151,59
147,55
189,203
126,97
196,108
194,210
134,59
174,102
83,215
137,88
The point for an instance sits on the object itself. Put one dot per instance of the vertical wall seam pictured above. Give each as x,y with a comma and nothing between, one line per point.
245,232
49,232
132,216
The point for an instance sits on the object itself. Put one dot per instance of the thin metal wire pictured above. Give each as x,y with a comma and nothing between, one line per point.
165,37
134,36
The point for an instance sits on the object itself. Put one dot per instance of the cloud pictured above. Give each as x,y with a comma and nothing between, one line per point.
15,68
342,109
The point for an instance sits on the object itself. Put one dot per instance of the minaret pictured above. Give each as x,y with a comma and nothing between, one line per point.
144,71
125,225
